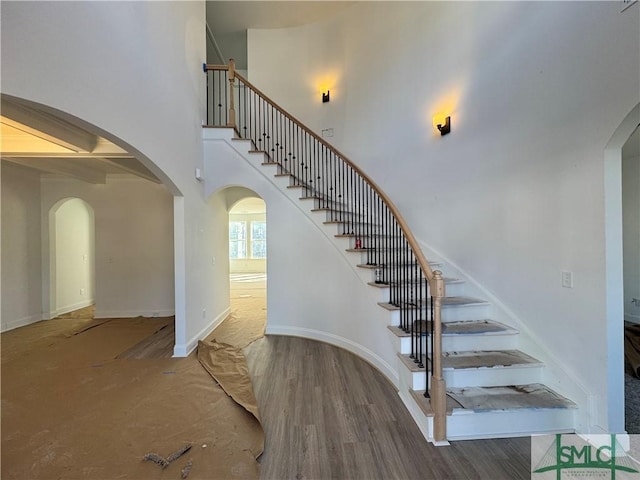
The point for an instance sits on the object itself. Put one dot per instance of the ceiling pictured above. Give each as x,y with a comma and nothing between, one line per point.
39,140
228,21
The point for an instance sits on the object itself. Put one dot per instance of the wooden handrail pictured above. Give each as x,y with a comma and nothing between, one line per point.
413,243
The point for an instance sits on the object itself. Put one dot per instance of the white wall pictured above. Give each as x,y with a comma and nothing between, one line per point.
133,243
21,273
73,255
131,71
514,195
631,236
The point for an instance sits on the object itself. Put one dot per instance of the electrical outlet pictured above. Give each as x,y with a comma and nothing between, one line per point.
204,313
82,291
567,279
327,132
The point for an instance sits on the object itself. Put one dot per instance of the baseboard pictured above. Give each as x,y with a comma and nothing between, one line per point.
183,350
72,308
134,313
341,342
21,322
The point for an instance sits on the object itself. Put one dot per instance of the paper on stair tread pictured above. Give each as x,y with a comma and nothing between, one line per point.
533,395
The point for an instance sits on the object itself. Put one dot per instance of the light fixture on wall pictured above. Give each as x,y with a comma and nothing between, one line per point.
442,123
325,97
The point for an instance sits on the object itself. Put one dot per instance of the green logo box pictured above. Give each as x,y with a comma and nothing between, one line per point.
571,456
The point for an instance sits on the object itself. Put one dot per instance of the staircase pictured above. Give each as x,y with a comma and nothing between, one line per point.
492,388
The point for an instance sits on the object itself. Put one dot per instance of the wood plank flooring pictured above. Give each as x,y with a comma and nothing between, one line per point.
328,414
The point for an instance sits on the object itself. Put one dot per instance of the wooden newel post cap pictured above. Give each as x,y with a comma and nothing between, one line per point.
438,291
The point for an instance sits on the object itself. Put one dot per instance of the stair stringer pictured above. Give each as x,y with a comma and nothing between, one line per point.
554,374
229,162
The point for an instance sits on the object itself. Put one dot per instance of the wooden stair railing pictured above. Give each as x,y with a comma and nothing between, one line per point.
354,201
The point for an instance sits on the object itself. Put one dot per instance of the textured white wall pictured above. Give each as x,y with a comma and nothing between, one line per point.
514,195
74,255
21,272
631,236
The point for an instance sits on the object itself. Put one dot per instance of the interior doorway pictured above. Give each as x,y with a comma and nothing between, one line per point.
614,267
71,257
248,261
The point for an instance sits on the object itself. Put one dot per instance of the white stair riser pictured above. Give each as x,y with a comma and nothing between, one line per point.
462,343
482,377
509,423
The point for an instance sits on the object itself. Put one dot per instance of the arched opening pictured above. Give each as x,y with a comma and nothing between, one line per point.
72,256
248,260
137,260
614,260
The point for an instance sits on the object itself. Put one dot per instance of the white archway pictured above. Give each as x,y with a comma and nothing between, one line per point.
71,256
614,269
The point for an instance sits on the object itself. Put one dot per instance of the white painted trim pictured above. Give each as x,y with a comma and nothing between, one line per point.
341,342
21,322
134,313
71,308
183,350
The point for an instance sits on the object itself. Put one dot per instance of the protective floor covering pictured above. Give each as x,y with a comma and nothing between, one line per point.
72,409
503,398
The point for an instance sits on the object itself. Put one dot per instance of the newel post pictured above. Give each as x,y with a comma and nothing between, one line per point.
438,387
232,106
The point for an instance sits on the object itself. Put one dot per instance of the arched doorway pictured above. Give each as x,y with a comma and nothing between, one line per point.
72,256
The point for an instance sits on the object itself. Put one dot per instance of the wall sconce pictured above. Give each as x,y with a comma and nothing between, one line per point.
442,123
325,97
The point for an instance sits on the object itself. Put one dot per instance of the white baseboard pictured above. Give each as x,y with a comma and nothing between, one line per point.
72,308
355,348
134,313
183,350
21,322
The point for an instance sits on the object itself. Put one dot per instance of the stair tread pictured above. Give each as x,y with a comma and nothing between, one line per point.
512,397
374,266
482,359
446,302
389,285
465,327
534,396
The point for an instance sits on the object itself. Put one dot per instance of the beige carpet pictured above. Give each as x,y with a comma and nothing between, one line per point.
71,409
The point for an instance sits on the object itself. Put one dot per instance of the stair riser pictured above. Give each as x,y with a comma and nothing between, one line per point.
482,377
509,423
461,343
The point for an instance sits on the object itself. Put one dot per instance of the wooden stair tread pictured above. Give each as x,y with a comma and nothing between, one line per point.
374,266
449,281
464,327
512,397
477,360
446,302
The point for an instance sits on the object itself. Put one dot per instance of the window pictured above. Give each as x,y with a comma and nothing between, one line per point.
237,240
258,240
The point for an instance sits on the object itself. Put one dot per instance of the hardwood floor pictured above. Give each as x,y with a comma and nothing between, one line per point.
327,414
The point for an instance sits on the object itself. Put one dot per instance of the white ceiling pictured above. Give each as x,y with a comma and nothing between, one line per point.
39,140
229,21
